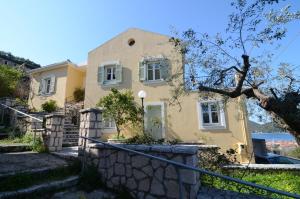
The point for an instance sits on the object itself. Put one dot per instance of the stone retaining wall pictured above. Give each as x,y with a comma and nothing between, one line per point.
144,177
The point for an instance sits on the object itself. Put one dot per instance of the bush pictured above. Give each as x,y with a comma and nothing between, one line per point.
78,94
148,139
9,78
50,106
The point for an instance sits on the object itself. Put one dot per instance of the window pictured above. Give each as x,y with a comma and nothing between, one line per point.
211,115
153,71
47,83
110,73
109,123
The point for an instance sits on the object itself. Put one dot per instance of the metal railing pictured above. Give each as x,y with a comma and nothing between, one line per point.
21,112
27,115
184,166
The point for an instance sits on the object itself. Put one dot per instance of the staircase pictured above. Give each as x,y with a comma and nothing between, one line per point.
71,126
71,133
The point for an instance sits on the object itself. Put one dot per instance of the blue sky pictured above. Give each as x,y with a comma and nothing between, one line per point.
50,31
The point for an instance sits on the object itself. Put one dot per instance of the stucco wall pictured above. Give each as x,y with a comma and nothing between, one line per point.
76,79
182,124
36,100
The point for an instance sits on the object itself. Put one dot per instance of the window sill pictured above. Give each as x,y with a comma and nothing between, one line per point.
46,95
147,82
213,127
110,84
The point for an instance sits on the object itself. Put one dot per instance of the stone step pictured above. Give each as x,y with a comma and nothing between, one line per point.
41,188
7,148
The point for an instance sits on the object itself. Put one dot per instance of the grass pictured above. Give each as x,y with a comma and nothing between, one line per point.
25,180
37,146
288,181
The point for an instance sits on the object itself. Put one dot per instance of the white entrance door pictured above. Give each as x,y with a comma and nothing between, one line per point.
154,119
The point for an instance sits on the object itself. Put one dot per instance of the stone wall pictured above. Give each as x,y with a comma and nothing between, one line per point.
145,177
90,124
54,132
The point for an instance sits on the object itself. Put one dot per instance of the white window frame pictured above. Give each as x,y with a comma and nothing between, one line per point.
113,69
221,115
46,80
162,104
154,65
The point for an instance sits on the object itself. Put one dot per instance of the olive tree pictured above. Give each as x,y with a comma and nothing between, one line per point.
121,107
240,61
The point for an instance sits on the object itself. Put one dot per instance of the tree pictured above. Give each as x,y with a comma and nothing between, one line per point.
120,107
9,79
236,63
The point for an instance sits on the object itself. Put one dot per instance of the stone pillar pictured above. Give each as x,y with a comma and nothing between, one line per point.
54,132
90,124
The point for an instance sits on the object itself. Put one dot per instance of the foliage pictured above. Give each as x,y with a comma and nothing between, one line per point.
288,181
50,106
214,160
148,139
295,153
121,107
78,94
9,78
19,60
121,137
222,63
37,145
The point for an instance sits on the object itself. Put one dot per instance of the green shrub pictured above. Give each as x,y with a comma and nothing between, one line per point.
78,94
50,106
148,139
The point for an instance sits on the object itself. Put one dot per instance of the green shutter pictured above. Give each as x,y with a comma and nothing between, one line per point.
164,69
118,73
100,75
142,71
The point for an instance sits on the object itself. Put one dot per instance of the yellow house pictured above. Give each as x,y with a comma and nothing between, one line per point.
55,82
141,60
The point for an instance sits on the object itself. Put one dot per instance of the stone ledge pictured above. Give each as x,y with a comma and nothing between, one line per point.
93,110
179,149
54,115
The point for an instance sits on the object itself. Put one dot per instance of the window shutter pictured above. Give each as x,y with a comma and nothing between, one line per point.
118,73
52,84
164,69
40,87
100,76
142,70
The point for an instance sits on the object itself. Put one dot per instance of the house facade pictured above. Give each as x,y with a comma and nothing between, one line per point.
140,60
55,82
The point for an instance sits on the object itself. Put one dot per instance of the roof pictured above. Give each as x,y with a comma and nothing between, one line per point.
52,66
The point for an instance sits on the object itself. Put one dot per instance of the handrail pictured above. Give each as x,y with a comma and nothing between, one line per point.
203,171
21,112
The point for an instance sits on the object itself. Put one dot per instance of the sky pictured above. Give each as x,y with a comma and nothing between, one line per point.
51,31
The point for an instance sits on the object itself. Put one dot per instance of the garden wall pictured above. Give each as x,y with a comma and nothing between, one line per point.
144,177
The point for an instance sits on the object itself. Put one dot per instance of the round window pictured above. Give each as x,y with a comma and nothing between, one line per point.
131,42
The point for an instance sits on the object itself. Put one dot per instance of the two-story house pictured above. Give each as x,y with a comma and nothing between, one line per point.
141,60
